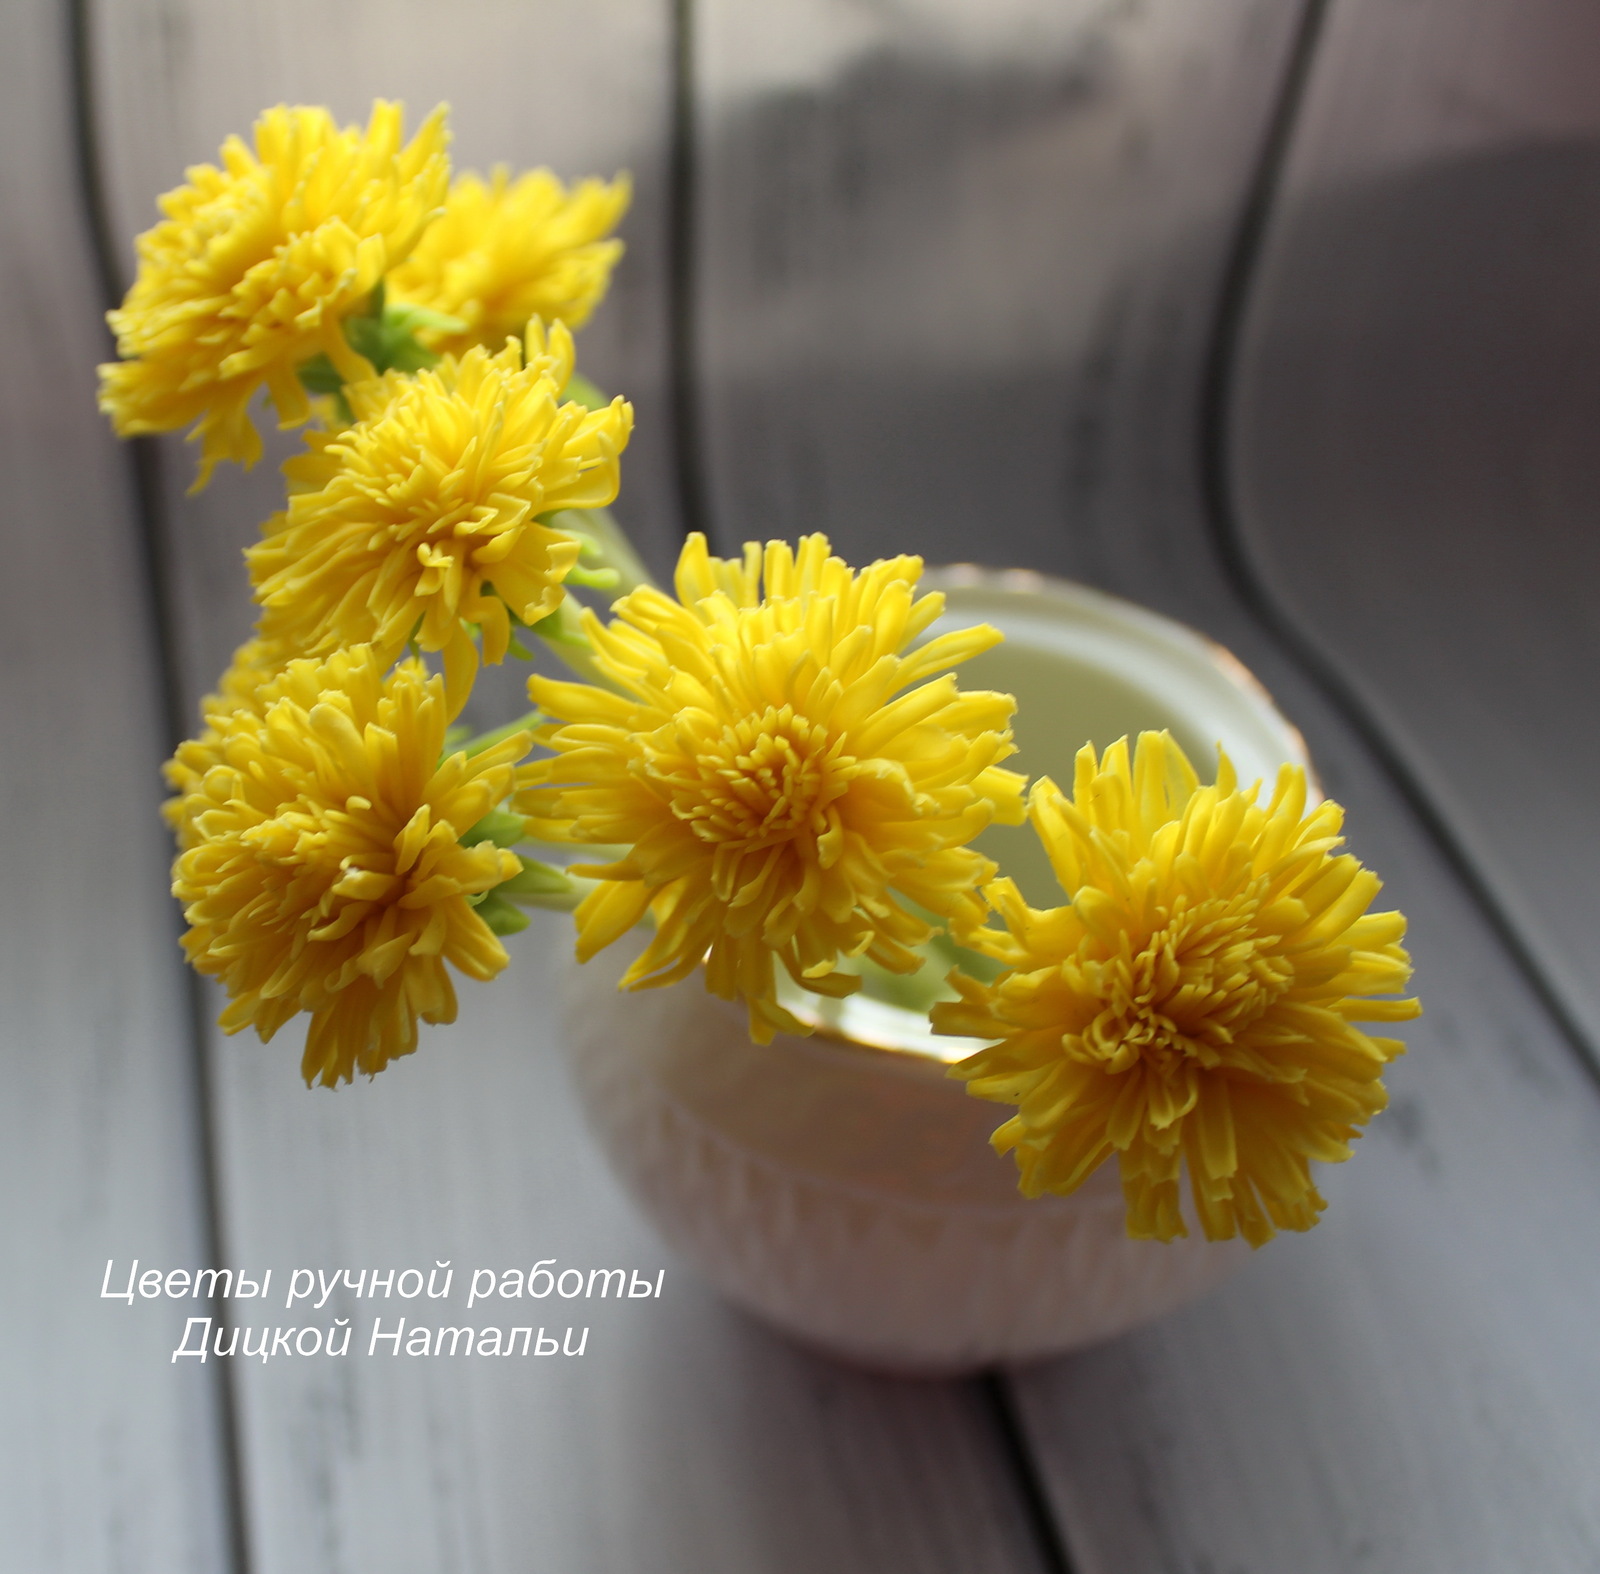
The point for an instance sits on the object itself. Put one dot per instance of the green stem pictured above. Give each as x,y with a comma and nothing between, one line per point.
610,549
487,740
616,550
560,901
564,634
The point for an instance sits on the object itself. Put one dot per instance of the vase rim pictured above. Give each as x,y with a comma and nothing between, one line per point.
1175,632
864,1023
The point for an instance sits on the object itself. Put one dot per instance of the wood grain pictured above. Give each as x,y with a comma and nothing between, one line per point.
1414,418
685,1439
110,1453
956,267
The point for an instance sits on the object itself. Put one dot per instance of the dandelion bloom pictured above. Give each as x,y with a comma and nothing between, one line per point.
400,526
790,782
326,869
255,268
505,251
241,687
1195,1001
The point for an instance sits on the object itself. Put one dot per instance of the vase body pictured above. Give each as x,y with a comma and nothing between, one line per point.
848,1194
842,1187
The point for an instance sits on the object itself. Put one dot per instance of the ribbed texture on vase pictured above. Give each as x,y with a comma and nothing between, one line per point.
859,1265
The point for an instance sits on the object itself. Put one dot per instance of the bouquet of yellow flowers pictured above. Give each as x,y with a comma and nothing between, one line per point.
772,766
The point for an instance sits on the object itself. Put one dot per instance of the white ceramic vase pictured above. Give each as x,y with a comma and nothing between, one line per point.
842,1186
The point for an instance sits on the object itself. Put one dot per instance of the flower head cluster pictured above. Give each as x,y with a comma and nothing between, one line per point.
508,250
256,266
327,863
1194,1003
790,783
425,511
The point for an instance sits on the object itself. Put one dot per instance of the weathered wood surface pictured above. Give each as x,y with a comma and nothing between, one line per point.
1414,426
108,1455
1412,1387
684,1439
955,265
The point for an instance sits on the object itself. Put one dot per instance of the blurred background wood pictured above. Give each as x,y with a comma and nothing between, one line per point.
109,1458
1414,422
956,265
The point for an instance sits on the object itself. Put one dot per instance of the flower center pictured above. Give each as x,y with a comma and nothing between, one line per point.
445,491
758,782
1189,991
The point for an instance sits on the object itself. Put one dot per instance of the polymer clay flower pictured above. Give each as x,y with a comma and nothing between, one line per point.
422,516
790,781
330,863
242,687
1195,1000
504,251
255,268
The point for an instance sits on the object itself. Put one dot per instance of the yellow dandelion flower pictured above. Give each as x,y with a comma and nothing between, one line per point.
255,268
399,526
789,784
254,664
239,686
326,870
1196,1000
505,251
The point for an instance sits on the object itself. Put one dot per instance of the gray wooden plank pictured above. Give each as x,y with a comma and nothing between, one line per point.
108,1454
685,1438
1411,1387
955,264
1414,406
